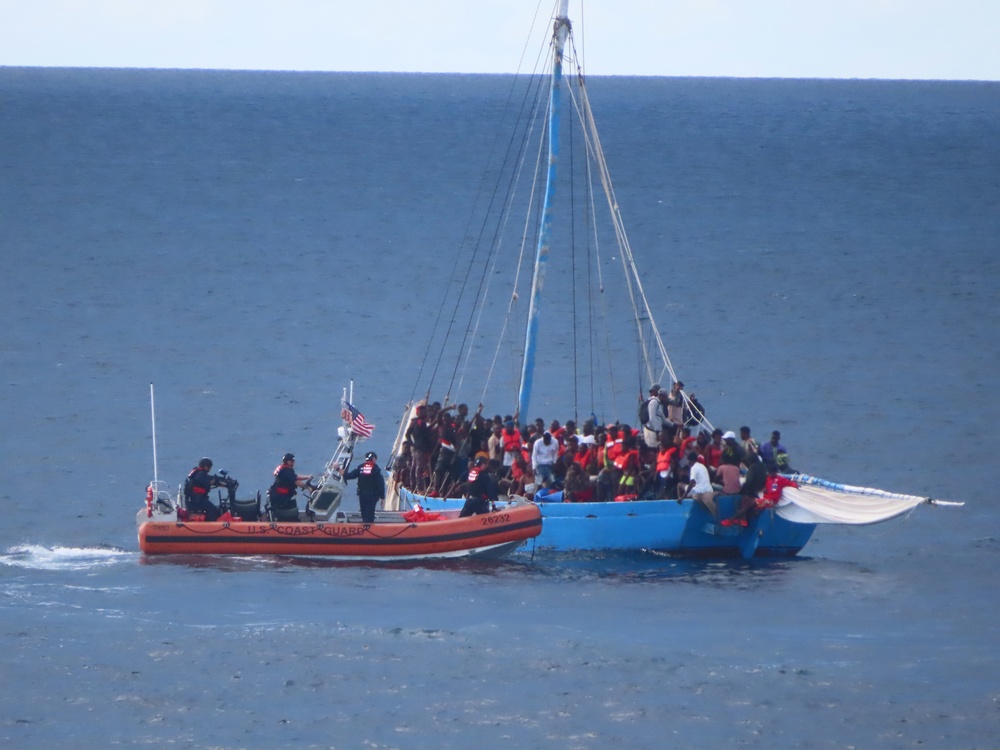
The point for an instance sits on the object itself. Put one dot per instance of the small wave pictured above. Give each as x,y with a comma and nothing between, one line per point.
38,557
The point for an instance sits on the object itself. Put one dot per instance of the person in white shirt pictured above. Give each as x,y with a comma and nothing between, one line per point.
700,486
543,457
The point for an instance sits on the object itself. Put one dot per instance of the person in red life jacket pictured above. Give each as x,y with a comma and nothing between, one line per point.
511,442
196,488
371,486
666,470
773,486
628,465
520,476
480,489
281,494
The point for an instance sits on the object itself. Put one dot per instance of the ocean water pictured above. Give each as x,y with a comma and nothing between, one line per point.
825,257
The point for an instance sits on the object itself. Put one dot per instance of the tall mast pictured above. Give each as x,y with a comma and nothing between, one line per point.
560,32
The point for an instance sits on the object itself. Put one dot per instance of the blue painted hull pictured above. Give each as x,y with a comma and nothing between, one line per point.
682,529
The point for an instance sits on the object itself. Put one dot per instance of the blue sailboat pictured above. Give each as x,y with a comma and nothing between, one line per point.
678,527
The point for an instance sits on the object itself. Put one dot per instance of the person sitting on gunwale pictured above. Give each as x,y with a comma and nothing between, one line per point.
774,485
371,486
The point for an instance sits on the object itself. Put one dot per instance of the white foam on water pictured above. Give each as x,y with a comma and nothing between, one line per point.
38,557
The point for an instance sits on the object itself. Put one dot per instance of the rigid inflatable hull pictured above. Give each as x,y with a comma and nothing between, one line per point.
492,534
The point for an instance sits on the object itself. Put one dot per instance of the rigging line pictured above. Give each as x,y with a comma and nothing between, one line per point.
624,244
524,116
573,276
525,234
592,212
622,241
514,131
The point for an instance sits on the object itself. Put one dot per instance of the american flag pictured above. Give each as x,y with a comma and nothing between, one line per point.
357,420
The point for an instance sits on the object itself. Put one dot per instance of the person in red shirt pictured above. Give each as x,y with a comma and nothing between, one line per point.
773,487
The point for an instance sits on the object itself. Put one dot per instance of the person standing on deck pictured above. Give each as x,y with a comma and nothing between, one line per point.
774,454
543,458
653,422
421,437
675,404
371,486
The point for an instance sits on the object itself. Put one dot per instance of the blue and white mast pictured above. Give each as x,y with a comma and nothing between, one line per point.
560,32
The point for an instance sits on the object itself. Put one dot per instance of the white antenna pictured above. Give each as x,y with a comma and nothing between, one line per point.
152,410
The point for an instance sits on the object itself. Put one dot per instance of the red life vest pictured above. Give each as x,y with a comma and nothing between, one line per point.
277,487
663,459
511,442
195,489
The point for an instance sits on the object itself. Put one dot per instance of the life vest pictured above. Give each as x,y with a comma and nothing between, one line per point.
627,460
774,485
281,489
664,458
612,452
511,441
191,486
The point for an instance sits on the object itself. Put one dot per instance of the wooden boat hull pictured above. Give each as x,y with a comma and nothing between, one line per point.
682,530
489,535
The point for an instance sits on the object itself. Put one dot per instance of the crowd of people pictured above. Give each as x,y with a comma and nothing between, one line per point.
671,455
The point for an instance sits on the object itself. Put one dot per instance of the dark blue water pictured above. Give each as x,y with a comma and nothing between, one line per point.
825,260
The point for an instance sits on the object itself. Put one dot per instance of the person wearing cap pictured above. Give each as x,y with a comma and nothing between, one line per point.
371,486
732,453
281,494
196,489
480,489
655,417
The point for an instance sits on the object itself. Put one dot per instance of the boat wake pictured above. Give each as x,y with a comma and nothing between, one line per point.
38,557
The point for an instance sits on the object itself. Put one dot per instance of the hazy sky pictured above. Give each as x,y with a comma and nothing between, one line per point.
939,39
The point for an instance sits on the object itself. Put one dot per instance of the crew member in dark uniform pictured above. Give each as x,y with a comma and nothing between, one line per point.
196,489
281,494
371,486
480,489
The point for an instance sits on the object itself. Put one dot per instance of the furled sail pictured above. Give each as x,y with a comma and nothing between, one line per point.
819,501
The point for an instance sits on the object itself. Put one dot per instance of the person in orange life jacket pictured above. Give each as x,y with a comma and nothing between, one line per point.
197,487
371,486
282,491
480,489
511,442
